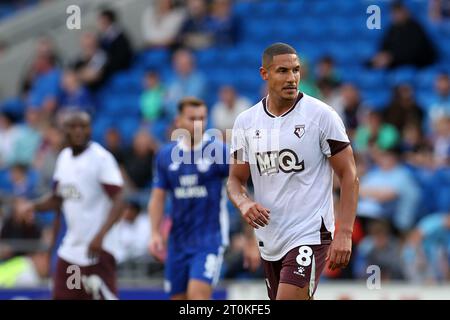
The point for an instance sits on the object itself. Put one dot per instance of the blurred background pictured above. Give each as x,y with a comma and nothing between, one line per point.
132,60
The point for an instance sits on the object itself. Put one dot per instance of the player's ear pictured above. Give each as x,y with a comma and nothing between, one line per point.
264,74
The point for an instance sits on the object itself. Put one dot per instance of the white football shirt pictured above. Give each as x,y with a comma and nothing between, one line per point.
80,182
291,174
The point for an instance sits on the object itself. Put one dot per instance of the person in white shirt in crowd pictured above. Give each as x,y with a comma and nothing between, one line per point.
161,23
229,106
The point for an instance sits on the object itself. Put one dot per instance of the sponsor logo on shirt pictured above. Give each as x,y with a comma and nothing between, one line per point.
69,192
271,162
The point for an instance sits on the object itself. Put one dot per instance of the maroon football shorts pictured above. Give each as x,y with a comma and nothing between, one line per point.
301,266
97,282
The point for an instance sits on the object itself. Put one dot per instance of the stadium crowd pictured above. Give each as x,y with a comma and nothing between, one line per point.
397,113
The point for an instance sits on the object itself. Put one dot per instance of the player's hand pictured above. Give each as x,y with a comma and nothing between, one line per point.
157,248
95,247
340,250
252,259
255,214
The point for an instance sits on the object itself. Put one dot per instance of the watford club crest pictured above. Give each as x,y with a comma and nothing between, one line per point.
299,130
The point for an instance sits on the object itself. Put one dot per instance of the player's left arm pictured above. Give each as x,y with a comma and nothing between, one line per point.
115,194
111,180
343,164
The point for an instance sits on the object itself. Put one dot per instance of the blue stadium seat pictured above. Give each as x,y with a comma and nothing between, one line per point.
15,105
154,59
126,82
128,126
425,78
402,75
207,58
100,125
266,9
376,99
371,80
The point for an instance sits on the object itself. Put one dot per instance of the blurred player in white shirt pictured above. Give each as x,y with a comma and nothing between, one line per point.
88,190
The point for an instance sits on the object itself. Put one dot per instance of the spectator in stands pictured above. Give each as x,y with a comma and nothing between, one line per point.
74,95
25,271
441,141
225,25
20,182
403,108
374,132
8,137
229,106
185,81
161,23
326,71
133,232
138,163
439,10
45,160
426,254
329,93
196,32
440,103
90,64
404,43
44,47
113,143
19,227
307,83
152,99
28,138
114,42
379,248
389,191
349,107
45,87
415,148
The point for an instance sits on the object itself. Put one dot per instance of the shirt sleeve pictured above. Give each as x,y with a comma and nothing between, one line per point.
109,172
239,145
160,179
333,137
57,174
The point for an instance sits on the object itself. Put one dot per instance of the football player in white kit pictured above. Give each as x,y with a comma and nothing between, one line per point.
87,188
290,143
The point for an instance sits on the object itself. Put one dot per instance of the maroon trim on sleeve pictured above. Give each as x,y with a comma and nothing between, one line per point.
111,190
337,146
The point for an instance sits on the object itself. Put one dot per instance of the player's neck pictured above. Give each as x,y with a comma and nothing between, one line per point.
278,106
77,150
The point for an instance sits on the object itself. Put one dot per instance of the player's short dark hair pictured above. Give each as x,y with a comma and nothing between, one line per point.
76,113
190,101
109,14
275,50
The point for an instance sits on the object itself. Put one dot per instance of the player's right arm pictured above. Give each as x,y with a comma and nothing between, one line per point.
156,213
49,202
252,212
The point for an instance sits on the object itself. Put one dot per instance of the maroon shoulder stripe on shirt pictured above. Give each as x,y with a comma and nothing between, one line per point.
111,190
337,146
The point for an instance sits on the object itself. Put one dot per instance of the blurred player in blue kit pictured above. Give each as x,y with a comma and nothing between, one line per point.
192,171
